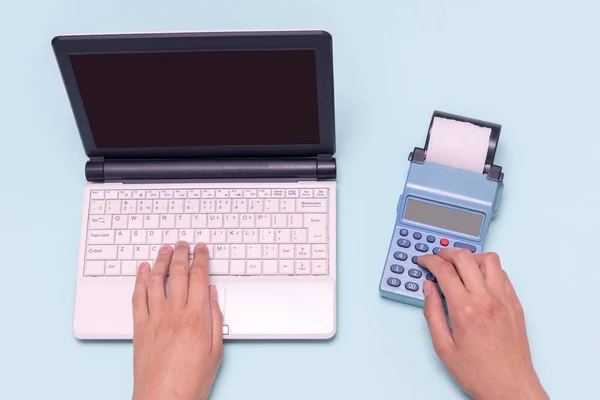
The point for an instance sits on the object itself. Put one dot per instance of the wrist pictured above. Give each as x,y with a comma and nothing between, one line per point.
523,389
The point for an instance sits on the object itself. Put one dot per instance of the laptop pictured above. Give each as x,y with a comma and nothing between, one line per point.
225,138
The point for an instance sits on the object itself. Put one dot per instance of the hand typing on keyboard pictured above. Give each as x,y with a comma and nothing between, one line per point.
177,337
486,350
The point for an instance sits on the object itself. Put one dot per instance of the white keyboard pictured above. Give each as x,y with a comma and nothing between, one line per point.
249,231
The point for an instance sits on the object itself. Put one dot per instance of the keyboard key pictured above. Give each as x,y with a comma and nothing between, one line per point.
166,194
417,235
93,268
128,268
101,237
286,267
422,247
97,207
112,268
430,238
321,193
301,235
436,250
270,267
111,194
400,256
317,227
302,267
431,277
124,194
292,193
414,259
125,253
219,267
319,251
222,194
311,205
306,193
319,267
101,253
279,193
97,195
444,242
414,273
403,243
395,282
99,222
465,246
254,267
141,252
264,193
403,232
139,194
413,287
397,269
237,267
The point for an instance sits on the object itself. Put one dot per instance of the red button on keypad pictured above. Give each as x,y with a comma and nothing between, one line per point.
444,242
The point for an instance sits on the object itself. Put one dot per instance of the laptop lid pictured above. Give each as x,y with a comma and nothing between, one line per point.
200,94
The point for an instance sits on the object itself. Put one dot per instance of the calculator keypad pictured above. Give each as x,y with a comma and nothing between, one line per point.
401,277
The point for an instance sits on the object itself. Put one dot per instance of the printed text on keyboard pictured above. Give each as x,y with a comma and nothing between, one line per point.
248,232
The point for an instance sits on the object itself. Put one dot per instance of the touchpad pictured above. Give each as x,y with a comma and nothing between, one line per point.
292,309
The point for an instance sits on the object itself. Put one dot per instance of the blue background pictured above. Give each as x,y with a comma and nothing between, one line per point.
531,66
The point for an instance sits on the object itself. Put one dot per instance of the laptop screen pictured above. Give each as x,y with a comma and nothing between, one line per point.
199,98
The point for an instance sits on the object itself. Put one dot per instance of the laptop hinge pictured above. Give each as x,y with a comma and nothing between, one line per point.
101,169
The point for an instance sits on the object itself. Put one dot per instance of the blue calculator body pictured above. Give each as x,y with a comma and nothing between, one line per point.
441,206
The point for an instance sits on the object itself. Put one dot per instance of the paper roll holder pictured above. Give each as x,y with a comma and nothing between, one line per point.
492,172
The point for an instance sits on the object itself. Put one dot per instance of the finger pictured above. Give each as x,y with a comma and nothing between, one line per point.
492,272
217,321
468,269
510,291
139,300
445,274
198,288
156,279
435,316
178,275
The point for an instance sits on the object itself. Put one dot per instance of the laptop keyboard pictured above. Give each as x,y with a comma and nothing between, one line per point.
249,232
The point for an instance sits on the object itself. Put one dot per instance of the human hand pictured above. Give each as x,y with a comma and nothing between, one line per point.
487,350
178,338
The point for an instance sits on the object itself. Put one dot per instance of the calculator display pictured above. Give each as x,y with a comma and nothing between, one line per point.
447,218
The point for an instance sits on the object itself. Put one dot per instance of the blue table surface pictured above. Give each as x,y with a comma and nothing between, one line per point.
531,66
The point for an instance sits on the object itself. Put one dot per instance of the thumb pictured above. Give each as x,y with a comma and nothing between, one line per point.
217,320
436,320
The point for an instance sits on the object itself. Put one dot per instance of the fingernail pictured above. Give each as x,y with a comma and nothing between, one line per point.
213,293
200,245
144,268
427,288
165,249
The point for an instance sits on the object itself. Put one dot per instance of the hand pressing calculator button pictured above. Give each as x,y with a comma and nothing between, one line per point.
441,206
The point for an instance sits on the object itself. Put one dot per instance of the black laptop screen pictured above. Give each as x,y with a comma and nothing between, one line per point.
203,98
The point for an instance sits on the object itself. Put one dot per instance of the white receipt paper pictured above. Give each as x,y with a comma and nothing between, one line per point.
458,144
